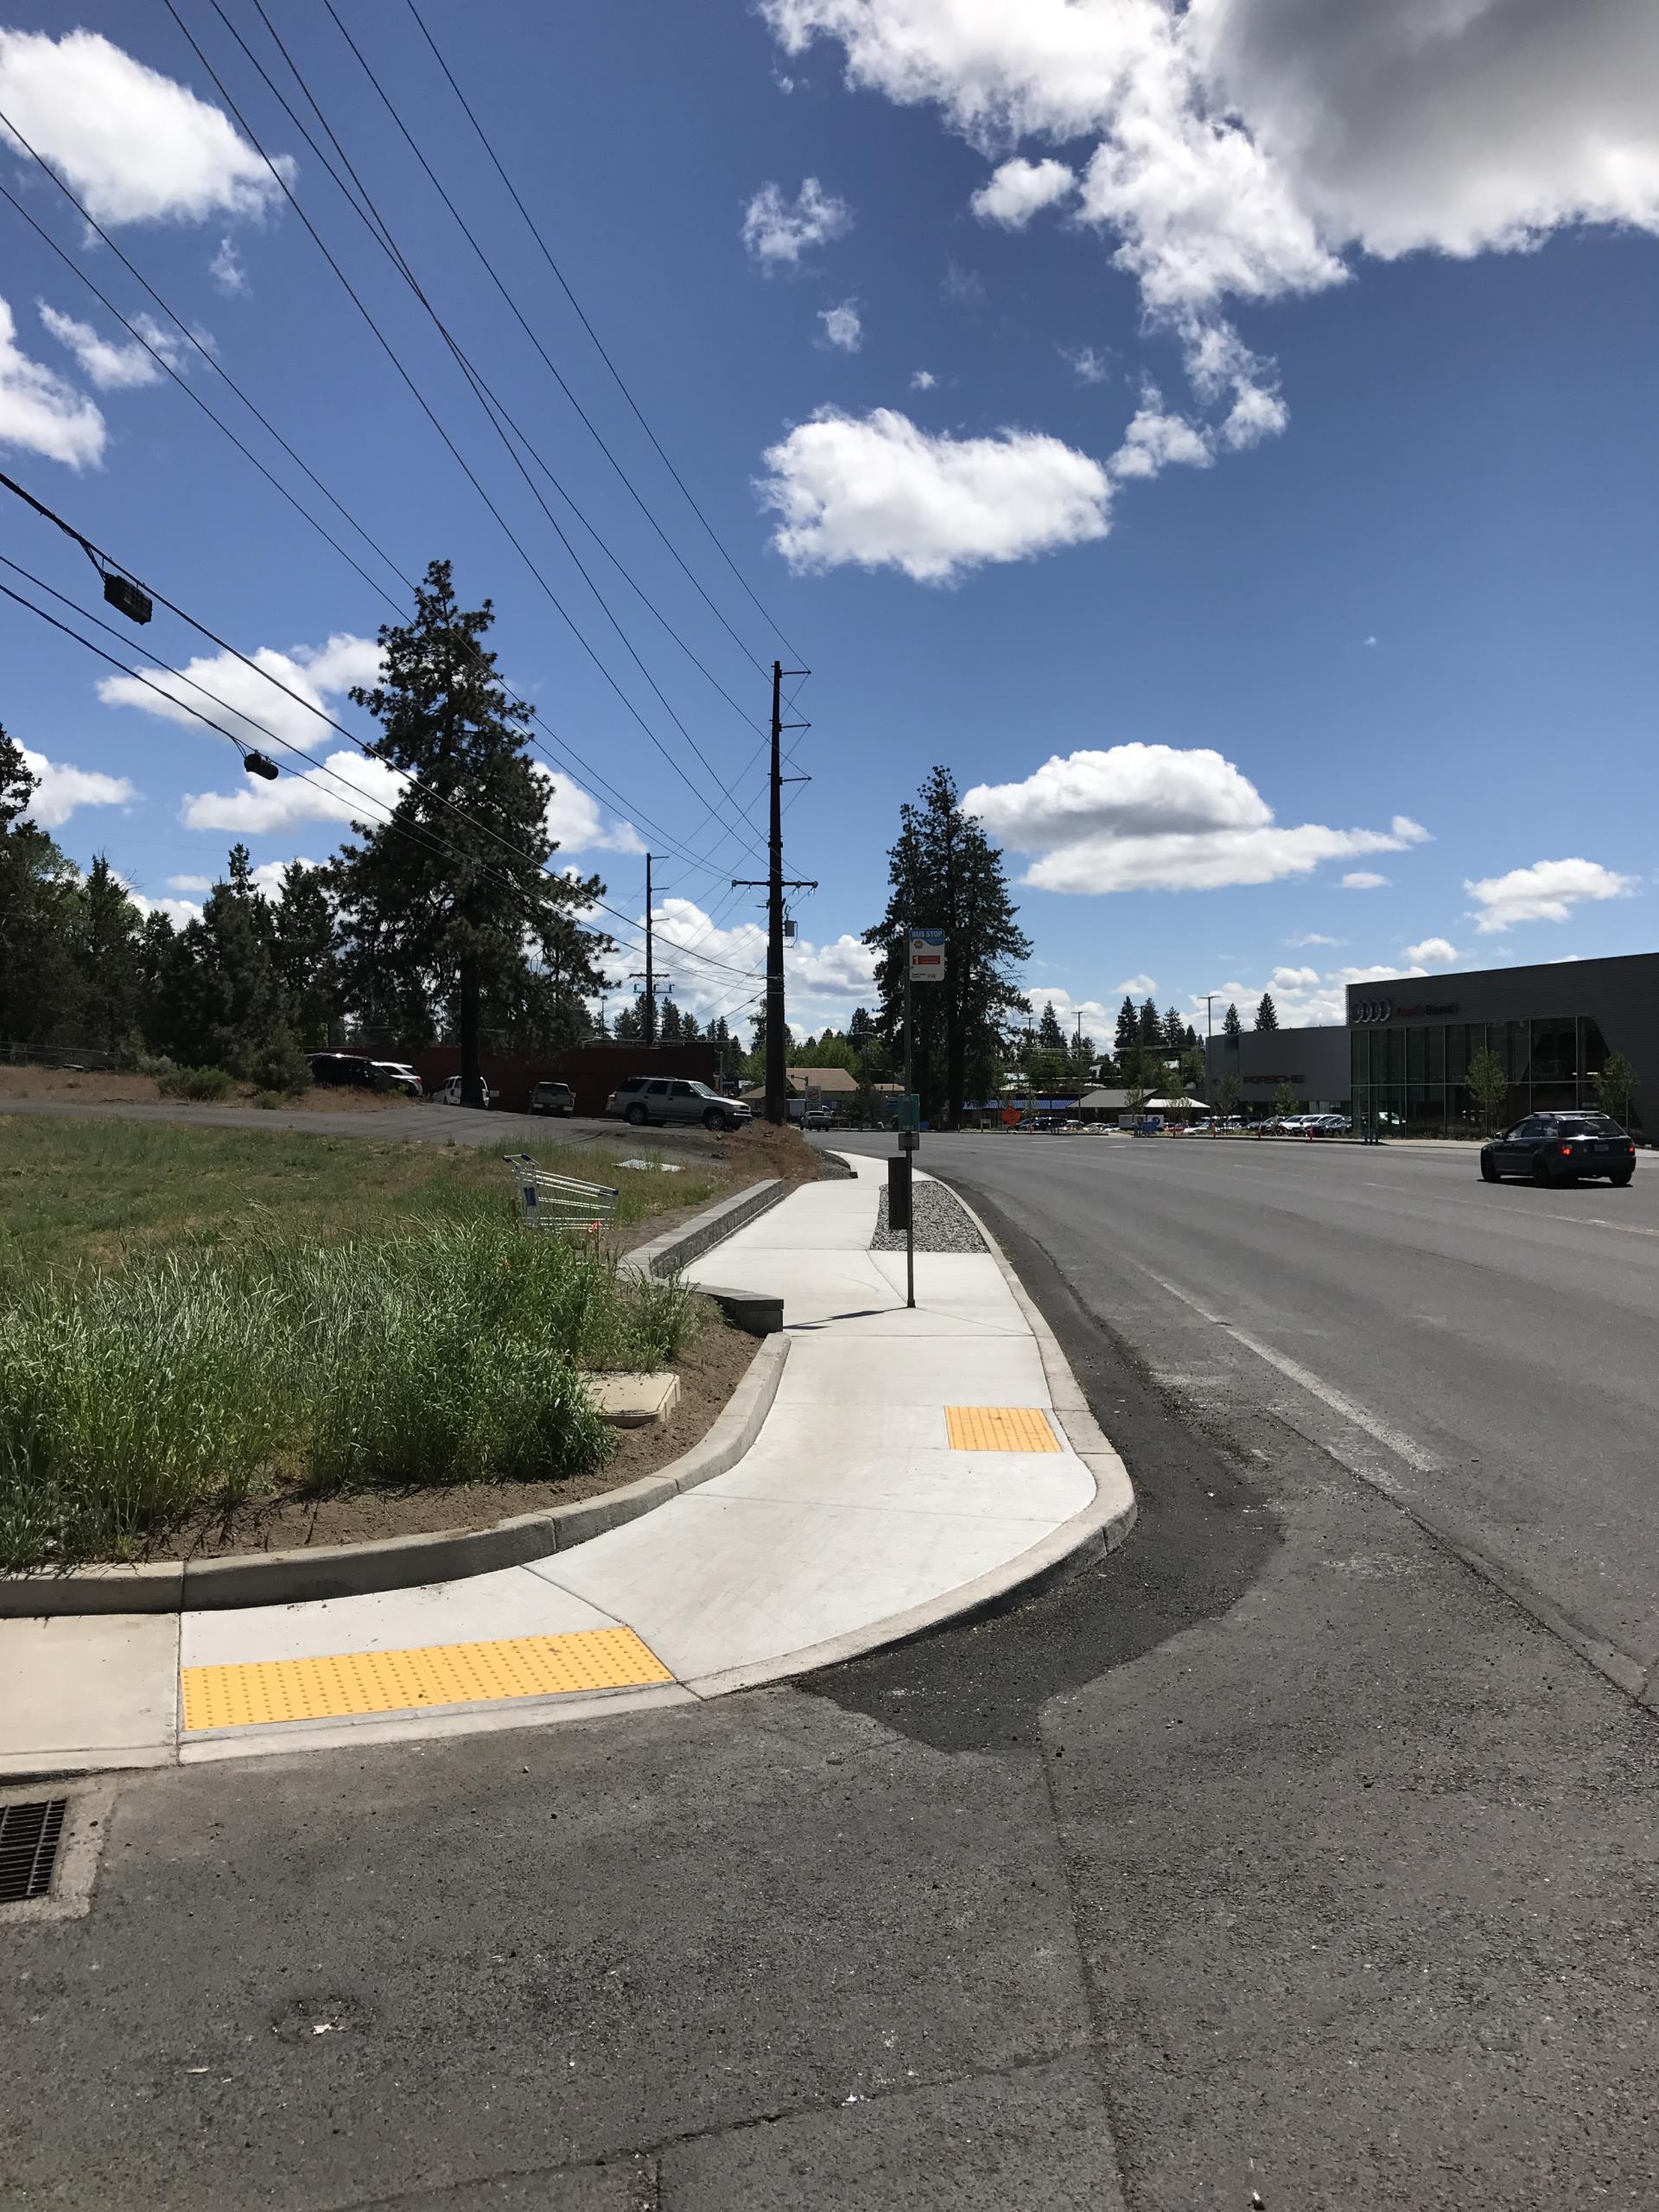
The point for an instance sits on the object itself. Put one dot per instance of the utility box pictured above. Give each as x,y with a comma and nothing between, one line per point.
898,1191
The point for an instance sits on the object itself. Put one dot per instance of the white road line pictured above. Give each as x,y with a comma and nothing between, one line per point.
1592,1220
1394,1440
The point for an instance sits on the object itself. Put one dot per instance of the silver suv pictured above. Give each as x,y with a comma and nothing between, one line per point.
672,1099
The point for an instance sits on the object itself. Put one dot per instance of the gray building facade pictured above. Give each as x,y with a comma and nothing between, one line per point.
1313,1063
1410,1041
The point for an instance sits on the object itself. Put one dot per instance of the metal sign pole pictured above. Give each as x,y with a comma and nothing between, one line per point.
910,1169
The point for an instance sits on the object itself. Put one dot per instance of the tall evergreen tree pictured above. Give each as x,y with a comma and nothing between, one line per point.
1231,1028
39,900
302,947
944,873
671,1029
220,1001
1174,1031
1150,1027
107,933
1050,1037
1267,1015
451,897
1127,1033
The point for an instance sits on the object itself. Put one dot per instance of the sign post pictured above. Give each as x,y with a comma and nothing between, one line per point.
924,963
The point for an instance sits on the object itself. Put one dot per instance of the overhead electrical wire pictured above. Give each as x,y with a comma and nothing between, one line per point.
460,461
595,781
547,256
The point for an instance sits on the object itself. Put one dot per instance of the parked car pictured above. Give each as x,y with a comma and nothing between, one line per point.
552,1098
451,1095
818,1117
398,1075
1327,1125
644,1098
1562,1148
341,1070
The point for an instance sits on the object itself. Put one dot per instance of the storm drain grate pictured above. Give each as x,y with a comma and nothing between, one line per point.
29,1835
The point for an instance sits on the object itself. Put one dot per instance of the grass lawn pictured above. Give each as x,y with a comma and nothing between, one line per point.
191,1317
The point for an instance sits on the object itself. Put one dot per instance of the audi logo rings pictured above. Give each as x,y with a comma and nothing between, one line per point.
1368,1010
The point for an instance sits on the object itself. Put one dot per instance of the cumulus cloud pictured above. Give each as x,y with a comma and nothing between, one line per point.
59,789
190,883
1546,891
778,232
1303,997
1020,190
41,411
1156,440
136,146
1312,937
111,366
879,492
244,702
258,809
825,981
1142,817
922,380
842,327
1136,987
574,822
1363,878
1437,951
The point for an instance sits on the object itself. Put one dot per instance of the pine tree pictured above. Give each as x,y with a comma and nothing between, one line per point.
107,929
690,1032
450,900
302,947
1050,1037
1150,1028
1231,1027
221,1003
1174,1031
1127,1035
944,873
40,989
1267,1015
669,1028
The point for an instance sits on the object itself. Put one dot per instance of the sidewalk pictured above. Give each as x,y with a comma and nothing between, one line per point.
913,1465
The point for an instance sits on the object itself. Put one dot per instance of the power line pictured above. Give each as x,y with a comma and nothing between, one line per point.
462,462
513,303
547,256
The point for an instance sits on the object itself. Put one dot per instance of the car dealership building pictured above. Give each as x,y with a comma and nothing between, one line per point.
1400,1064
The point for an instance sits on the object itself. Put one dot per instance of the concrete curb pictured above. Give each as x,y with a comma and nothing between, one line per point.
402,1562
694,1237
1078,1543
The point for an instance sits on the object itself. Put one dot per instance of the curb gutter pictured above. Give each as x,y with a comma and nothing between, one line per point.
304,1575
1076,1544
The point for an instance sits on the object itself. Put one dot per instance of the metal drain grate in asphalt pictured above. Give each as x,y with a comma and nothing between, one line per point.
29,1836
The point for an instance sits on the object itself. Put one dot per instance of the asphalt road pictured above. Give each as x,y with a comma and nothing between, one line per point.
1282,1859
1486,1354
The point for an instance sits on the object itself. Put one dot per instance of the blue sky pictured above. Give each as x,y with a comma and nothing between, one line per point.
1225,438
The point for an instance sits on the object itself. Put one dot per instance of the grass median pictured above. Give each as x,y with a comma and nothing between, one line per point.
193,1318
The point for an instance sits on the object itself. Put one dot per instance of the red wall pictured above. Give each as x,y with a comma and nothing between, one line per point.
593,1071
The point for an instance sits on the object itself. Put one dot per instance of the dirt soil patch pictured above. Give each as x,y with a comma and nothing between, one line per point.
713,1366
95,1087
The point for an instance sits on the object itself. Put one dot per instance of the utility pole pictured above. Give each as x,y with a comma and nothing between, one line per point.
649,976
1210,1056
774,887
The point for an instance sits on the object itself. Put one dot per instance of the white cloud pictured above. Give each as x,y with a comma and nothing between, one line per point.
137,147
112,367
259,808
254,709
1156,440
1020,190
1312,937
825,981
778,232
1362,878
879,492
922,380
842,327
1546,891
41,411
190,883
1435,950
226,269
1140,817
1087,366
1302,997
1136,987
576,824
180,912
59,789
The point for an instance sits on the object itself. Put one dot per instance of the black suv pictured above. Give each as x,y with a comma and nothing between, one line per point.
1561,1148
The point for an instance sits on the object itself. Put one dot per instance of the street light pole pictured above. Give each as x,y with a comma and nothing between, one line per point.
1209,1055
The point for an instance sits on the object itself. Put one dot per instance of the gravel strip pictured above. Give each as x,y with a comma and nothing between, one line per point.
941,1223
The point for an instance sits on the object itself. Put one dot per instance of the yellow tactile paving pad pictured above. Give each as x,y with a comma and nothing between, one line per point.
342,1684
999,1428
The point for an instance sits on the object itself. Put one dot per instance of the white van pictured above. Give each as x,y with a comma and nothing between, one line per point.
451,1095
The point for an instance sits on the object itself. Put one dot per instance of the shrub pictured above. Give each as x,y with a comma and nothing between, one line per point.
279,1064
199,1083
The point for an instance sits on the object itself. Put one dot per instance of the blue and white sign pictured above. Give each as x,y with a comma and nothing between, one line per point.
926,956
